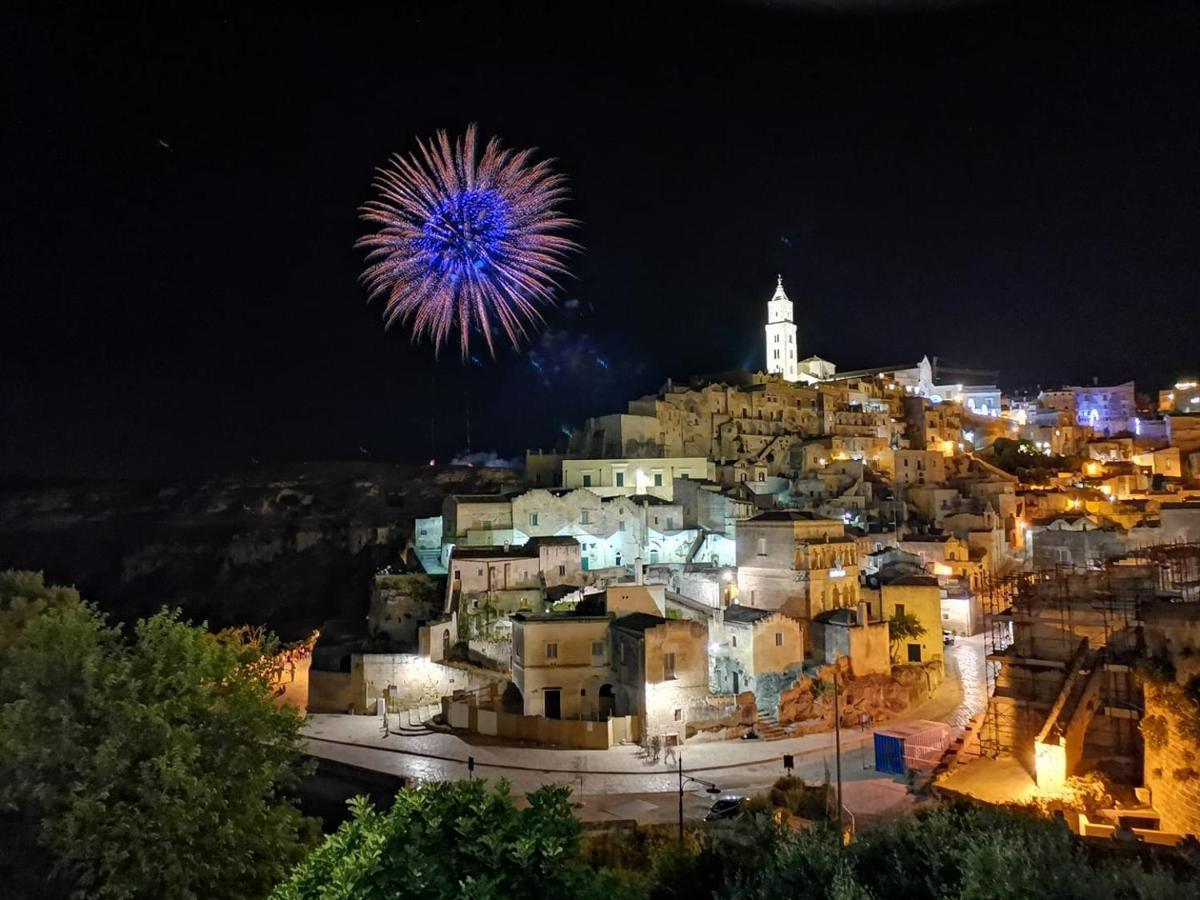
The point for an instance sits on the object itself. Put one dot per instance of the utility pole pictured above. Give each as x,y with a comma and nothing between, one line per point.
837,753
680,758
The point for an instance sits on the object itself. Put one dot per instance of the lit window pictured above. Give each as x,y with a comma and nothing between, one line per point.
552,651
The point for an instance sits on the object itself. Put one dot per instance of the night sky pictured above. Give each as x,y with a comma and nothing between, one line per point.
1001,185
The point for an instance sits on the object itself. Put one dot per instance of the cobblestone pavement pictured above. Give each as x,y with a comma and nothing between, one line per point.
605,778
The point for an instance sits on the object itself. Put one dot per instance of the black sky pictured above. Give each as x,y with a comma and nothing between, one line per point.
1008,186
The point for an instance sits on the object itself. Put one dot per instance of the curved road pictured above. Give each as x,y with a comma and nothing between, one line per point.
734,765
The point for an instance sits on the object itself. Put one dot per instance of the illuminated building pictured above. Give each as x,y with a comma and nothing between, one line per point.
781,336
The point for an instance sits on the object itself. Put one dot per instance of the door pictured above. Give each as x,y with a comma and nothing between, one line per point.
552,697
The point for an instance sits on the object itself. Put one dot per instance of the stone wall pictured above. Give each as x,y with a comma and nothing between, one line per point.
1172,767
491,654
405,679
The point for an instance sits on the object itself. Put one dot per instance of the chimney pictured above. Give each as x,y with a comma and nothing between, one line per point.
862,612
638,571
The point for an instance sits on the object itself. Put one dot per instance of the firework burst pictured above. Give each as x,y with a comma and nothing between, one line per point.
465,243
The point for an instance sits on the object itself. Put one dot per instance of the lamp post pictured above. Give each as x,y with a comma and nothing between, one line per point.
709,788
837,753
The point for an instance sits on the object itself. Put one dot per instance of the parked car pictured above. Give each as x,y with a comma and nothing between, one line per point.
725,808
947,637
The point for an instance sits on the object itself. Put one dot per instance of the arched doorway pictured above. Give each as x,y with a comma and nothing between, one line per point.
608,702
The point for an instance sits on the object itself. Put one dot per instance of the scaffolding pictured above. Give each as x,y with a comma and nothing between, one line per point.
1042,626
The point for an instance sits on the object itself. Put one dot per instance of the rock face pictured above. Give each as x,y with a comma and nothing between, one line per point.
808,705
284,545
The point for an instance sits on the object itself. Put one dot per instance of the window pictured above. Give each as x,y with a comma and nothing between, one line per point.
620,479
562,570
598,650
670,523
762,546
656,520
621,525
457,574
899,610
914,653
552,651
584,518
533,518
733,640
679,715
587,480
658,479
668,666
779,639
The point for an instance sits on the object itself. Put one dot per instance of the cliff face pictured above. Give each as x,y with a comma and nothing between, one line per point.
284,545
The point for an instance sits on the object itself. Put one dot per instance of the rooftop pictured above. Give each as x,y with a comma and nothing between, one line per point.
638,622
489,552
914,581
746,615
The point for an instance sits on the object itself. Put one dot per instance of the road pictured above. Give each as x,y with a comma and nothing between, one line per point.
623,778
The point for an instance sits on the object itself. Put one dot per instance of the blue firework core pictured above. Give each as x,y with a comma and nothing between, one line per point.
466,231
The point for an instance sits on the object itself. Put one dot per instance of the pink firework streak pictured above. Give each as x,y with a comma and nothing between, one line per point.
466,244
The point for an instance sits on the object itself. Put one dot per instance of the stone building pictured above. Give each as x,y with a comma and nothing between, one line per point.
919,596
400,603
756,650
628,476
660,672
560,665
796,562
852,634
477,519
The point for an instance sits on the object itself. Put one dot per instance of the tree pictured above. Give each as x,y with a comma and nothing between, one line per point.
953,851
152,767
449,840
903,627
23,597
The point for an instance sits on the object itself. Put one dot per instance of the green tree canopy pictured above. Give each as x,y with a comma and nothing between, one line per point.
151,767
23,597
903,627
450,840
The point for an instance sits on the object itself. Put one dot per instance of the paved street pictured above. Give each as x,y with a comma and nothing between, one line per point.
621,777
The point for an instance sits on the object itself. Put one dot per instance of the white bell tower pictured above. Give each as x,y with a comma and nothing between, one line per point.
781,336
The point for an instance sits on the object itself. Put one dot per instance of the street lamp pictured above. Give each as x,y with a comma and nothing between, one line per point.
710,788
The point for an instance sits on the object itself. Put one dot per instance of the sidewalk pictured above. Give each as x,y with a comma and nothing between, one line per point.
734,765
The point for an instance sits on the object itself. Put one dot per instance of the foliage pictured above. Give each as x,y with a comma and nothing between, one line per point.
799,799
903,627
152,767
1024,459
965,852
1155,731
1085,793
449,839
23,597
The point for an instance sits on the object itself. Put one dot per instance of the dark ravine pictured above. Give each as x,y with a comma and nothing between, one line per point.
285,545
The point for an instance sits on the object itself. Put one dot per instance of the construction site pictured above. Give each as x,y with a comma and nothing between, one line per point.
1095,672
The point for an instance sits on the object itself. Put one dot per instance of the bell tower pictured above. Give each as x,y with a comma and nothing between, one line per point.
781,335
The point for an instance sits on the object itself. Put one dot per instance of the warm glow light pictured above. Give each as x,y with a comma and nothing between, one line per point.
942,569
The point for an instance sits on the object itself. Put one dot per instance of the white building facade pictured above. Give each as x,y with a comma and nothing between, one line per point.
781,336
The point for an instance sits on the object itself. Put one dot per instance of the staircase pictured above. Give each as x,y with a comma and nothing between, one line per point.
767,727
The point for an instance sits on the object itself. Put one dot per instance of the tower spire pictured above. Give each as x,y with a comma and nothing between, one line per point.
779,292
